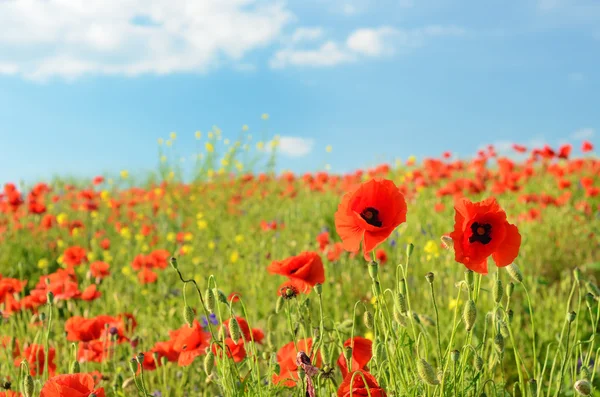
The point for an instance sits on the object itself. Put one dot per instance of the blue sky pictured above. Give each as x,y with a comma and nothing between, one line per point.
87,87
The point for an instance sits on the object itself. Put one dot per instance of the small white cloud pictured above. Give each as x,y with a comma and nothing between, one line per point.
307,34
372,42
349,9
329,54
8,68
293,146
583,133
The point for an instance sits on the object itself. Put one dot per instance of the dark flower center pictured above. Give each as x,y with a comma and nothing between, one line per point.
371,216
481,233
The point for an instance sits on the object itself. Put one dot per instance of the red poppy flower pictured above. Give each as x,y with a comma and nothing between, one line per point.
381,256
307,267
587,146
100,269
36,357
369,214
160,350
10,393
481,230
74,256
190,342
234,350
91,293
355,386
362,351
71,385
286,358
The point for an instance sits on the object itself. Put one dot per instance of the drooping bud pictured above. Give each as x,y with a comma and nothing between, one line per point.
515,273
222,297
499,343
478,363
140,358
209,363
348,352
571,317
188,315
510,287
211,302
402,306
470,314
409,250
133,365
504,329
399,317
455,355
319,288
430,277
173,262
589,300
28,386
279,304
426,372
497,291
593,288
402,286
583,387
373,270
426,320
234,330
50,297
75,367
368,319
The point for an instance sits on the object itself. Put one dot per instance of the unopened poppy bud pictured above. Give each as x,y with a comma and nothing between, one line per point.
510,315
93,395
470,314
373,270
43,316
478,363
276,368
348,352
173,262
532,387
455,355
319,288
133,365
469,278
402,286
188,315
415,317
504,329
583,387
402,304
426,372
514,272
510,287
379,352
447,242
593,288
222,297
409,250
28,386
577,274
430,276
376,288
497,291
209,363
140,358
399,317
211,302
345,326
585,372
7,385
571,316
499,343
589,300
368,319
279,304
75,367
234,330
426,320
50,297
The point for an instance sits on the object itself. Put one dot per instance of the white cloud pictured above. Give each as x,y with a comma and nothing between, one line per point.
372,42
70,38
292,146
307,34
349,9
8,68
583,133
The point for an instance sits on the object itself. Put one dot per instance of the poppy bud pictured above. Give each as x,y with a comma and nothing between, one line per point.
222,297
470,314
133,365
368,319
497,292
402,304
577,274
379,352
173,262
430,276
455,355
478,363
373,270
589,300
28,386
376,288
416,318
234,330
75,367
210,300
591,287
426,320
345,326
583,387
571,316
50,297
279,304
319,288
585,372
469,278
499,343
533,387
209,363
276,368
504,329
188,315
43,316
409,250
400,319
402,286
514,272
426,372
348,352
447,242
140,358
510,287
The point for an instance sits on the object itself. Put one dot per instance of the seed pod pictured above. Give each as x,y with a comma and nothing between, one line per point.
583,387
514,272
188,315
28,386
368,319
234,330
499,343
532,387
498,291
430,277
402,304
478,363
426,372
75,367
279,304
469,278
209,363
211,302
470,314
